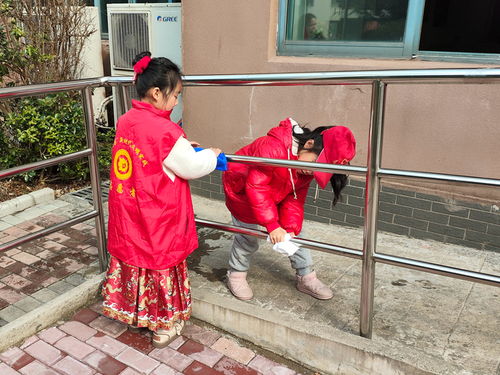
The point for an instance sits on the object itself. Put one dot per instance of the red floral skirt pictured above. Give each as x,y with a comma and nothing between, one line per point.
154,299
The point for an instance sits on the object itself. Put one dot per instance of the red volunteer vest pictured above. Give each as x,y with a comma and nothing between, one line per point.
151,220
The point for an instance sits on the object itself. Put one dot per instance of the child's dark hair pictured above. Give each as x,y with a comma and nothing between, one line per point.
161,73
338,180
308,134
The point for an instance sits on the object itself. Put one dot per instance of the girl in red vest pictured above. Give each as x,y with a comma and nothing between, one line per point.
274,197
151,227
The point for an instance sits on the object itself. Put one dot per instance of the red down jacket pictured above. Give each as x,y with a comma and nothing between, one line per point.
266,195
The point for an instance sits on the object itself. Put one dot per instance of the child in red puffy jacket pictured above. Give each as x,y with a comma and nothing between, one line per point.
274,197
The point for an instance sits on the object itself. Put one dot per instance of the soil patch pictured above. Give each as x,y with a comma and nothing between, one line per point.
10,189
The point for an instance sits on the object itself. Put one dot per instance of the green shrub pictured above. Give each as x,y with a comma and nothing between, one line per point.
38,128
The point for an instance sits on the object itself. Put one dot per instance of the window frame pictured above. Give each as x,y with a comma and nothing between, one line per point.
405,50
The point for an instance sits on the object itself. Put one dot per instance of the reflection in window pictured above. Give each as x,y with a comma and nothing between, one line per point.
347,20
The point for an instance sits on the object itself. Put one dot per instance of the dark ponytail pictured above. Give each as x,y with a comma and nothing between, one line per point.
338,182
161,73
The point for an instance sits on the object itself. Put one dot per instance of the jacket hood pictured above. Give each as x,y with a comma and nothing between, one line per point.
283,132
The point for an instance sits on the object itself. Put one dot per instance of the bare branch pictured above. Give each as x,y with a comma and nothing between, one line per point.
53,37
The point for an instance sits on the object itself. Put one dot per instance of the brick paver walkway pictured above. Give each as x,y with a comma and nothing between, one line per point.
91,344
36,272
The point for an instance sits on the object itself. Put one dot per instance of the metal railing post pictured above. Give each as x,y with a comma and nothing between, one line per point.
119,102
125,99
371,208
94,178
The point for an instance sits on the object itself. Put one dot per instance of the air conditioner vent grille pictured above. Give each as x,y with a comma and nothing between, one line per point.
130,36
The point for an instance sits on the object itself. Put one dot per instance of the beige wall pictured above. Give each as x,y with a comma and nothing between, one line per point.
441,128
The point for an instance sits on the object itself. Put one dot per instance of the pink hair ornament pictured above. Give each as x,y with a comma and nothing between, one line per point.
141,65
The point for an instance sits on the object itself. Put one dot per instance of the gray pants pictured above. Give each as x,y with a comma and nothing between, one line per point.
244,246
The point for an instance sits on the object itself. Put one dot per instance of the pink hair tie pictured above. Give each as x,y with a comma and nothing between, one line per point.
141,65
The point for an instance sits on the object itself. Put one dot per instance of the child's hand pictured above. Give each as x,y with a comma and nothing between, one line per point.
216,151
277,235
194,144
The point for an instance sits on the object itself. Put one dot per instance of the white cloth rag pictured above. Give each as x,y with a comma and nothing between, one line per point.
286,247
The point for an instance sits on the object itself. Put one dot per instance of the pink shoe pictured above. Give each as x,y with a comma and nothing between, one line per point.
237,284
310,284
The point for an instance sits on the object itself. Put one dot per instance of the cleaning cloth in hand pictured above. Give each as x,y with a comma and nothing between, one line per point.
221,160
286,247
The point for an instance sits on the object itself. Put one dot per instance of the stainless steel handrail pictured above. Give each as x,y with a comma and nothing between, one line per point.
315,245
355,170
378,79
438,269
492,75
365,77
45,163
384,172
414,264
372,190
90,152
95,179
43,232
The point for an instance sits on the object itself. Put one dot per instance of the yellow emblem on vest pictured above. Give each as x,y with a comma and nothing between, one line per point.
122,165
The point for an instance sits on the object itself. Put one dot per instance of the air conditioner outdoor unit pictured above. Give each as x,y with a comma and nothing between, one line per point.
134,28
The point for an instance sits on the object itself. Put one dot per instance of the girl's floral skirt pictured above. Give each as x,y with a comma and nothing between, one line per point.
154,299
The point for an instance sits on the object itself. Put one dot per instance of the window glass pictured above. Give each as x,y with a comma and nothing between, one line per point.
461,26
346,20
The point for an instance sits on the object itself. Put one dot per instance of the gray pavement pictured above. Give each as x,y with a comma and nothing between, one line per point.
423,323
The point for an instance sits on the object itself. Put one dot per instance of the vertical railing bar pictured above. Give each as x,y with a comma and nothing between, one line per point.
95,179
118,102
371,208
125,99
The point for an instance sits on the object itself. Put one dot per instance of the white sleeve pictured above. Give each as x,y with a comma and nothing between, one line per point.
185,162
